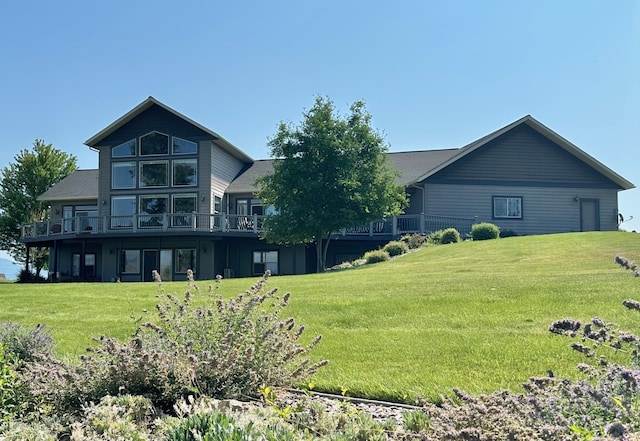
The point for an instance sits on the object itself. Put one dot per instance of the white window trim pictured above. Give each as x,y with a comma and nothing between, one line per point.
154,154
185,140
114,165
507,199
183,161
141,174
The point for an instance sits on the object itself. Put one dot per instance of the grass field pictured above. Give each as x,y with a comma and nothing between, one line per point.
472,315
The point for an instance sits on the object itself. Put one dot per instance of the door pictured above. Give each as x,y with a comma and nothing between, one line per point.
589,215
149,263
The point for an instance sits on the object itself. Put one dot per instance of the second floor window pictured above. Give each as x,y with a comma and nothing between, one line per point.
154,174
154,143
185,172
123,175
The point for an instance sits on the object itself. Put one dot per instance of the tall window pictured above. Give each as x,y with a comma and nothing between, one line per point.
154,174
183,147
152,210
122,210
183,203
185,260
154,143
185,172
265,260
130,262
124,150
507,207
123,175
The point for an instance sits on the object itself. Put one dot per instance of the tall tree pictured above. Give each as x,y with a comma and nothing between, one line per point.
329,172
31,174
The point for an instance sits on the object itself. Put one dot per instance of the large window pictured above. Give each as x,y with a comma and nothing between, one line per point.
185,260
130,262
183,203
154,174
124,150
123,175
152,210
507,207
154,143
122,210
265,260
185,172
183,147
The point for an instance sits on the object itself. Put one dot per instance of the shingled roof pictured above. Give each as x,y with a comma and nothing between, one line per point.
79,185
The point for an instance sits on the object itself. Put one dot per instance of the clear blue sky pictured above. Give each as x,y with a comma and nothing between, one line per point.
433,74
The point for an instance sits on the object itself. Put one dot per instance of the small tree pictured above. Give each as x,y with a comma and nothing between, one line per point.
329,173
32,173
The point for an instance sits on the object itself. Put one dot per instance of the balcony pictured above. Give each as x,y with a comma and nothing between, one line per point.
222,224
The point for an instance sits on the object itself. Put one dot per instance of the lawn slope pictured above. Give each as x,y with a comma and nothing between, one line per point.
472,315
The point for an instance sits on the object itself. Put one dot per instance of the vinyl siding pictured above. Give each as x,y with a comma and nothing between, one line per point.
522,156
545,209
224,168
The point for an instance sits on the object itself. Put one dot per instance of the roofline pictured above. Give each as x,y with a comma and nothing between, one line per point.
95,139
548,133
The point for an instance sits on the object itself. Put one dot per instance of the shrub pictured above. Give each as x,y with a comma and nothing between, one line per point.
26,276
508,233
449,235
484,231
222,349
26,344
396,248
376,256
9,396
414,241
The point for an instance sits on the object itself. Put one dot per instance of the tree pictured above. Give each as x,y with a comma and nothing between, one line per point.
32,173
329,173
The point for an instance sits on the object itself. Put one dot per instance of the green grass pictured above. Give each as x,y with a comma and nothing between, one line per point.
471,315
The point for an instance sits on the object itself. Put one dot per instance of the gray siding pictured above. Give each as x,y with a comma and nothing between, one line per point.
545,209
224,168
522,156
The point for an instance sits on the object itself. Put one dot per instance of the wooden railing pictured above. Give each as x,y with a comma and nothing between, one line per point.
224,223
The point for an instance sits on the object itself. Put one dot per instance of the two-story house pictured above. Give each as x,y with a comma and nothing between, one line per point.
172,195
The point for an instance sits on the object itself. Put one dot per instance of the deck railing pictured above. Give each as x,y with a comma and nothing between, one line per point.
227,223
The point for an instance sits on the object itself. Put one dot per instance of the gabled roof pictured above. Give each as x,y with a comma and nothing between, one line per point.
544,131
94,141
79,185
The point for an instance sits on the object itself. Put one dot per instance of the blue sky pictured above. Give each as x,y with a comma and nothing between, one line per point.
433,74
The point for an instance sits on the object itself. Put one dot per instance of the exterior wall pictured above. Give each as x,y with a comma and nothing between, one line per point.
239,252
522,155
544,209
224,168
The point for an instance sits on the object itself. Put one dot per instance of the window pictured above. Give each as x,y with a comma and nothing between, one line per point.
154,143
154,174
152,210
185,260
242,207
123,175
165,264
507,207
217,209
183,203
185,172
124,150
87,217
122,210
75,265
183,147
89,265
265,260
130,262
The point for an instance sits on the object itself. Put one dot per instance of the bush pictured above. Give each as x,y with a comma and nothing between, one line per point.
26,344
449,235
508,233
396,248
414,241
9,396
484,231
223,349
376,256
26,276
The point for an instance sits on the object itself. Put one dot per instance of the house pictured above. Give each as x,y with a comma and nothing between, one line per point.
172,195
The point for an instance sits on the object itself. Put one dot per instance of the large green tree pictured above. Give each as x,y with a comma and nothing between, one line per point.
329,172
31,174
